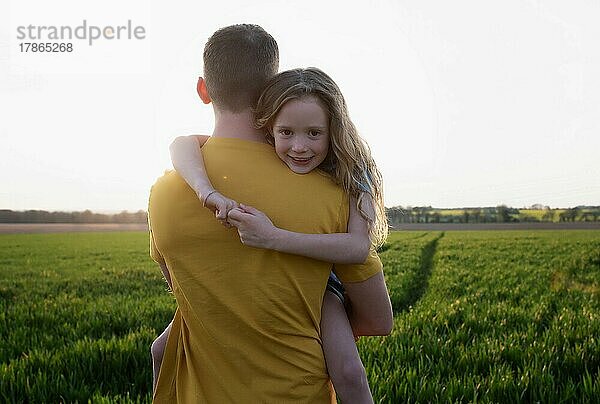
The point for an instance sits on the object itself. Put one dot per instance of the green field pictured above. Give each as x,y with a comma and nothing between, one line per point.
480,316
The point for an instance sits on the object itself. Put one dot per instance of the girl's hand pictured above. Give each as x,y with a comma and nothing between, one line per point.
220,205
254,227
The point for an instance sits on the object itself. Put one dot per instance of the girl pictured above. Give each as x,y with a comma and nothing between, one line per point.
305,118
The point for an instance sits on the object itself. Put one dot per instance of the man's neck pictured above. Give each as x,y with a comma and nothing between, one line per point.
238,125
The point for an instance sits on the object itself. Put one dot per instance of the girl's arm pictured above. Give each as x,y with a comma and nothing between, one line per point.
187,160
257,230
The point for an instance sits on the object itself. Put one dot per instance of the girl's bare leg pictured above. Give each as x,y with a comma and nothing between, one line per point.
343,362
158,349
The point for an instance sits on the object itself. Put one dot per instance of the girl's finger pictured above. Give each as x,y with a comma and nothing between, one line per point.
249,209
234,220
221,214
234,214
232,223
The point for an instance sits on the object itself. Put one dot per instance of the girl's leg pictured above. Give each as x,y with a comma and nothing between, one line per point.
158,349
343,362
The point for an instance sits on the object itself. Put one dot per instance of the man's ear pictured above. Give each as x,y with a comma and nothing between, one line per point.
202,91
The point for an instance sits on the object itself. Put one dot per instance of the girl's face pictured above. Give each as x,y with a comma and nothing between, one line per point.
301,134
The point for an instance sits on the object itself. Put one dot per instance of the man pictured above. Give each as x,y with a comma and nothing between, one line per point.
247,322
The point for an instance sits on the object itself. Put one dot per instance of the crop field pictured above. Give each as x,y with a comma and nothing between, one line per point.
480,316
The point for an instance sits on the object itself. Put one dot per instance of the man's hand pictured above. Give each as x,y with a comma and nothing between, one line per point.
254,227
220,205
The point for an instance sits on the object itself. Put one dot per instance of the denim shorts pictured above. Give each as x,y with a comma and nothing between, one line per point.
335,286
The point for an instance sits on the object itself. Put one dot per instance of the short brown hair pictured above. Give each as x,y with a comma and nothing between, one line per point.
238,61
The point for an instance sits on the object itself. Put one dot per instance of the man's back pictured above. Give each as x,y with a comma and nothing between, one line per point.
247,327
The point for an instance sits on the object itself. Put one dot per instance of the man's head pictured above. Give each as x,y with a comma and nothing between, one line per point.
238,61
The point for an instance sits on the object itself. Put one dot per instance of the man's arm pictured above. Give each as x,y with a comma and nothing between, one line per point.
371,312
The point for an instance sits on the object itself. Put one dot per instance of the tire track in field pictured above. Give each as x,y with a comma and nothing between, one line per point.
422,278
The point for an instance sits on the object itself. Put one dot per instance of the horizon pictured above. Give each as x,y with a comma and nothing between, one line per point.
115,212
458,107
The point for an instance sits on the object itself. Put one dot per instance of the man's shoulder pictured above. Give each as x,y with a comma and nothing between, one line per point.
257,161
167,176
168,181
221,142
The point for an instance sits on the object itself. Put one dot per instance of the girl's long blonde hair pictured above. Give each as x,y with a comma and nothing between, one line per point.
349,161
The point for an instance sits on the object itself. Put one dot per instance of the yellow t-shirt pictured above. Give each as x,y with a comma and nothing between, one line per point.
247,322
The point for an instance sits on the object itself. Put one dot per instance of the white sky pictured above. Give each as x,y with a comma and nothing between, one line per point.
464,103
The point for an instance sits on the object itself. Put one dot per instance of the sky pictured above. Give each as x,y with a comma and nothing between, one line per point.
463,103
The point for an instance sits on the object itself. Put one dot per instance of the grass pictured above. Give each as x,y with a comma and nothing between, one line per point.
77,316
494,325
480,316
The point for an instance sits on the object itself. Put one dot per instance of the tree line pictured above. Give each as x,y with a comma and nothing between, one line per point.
396,215
497,214
87,216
